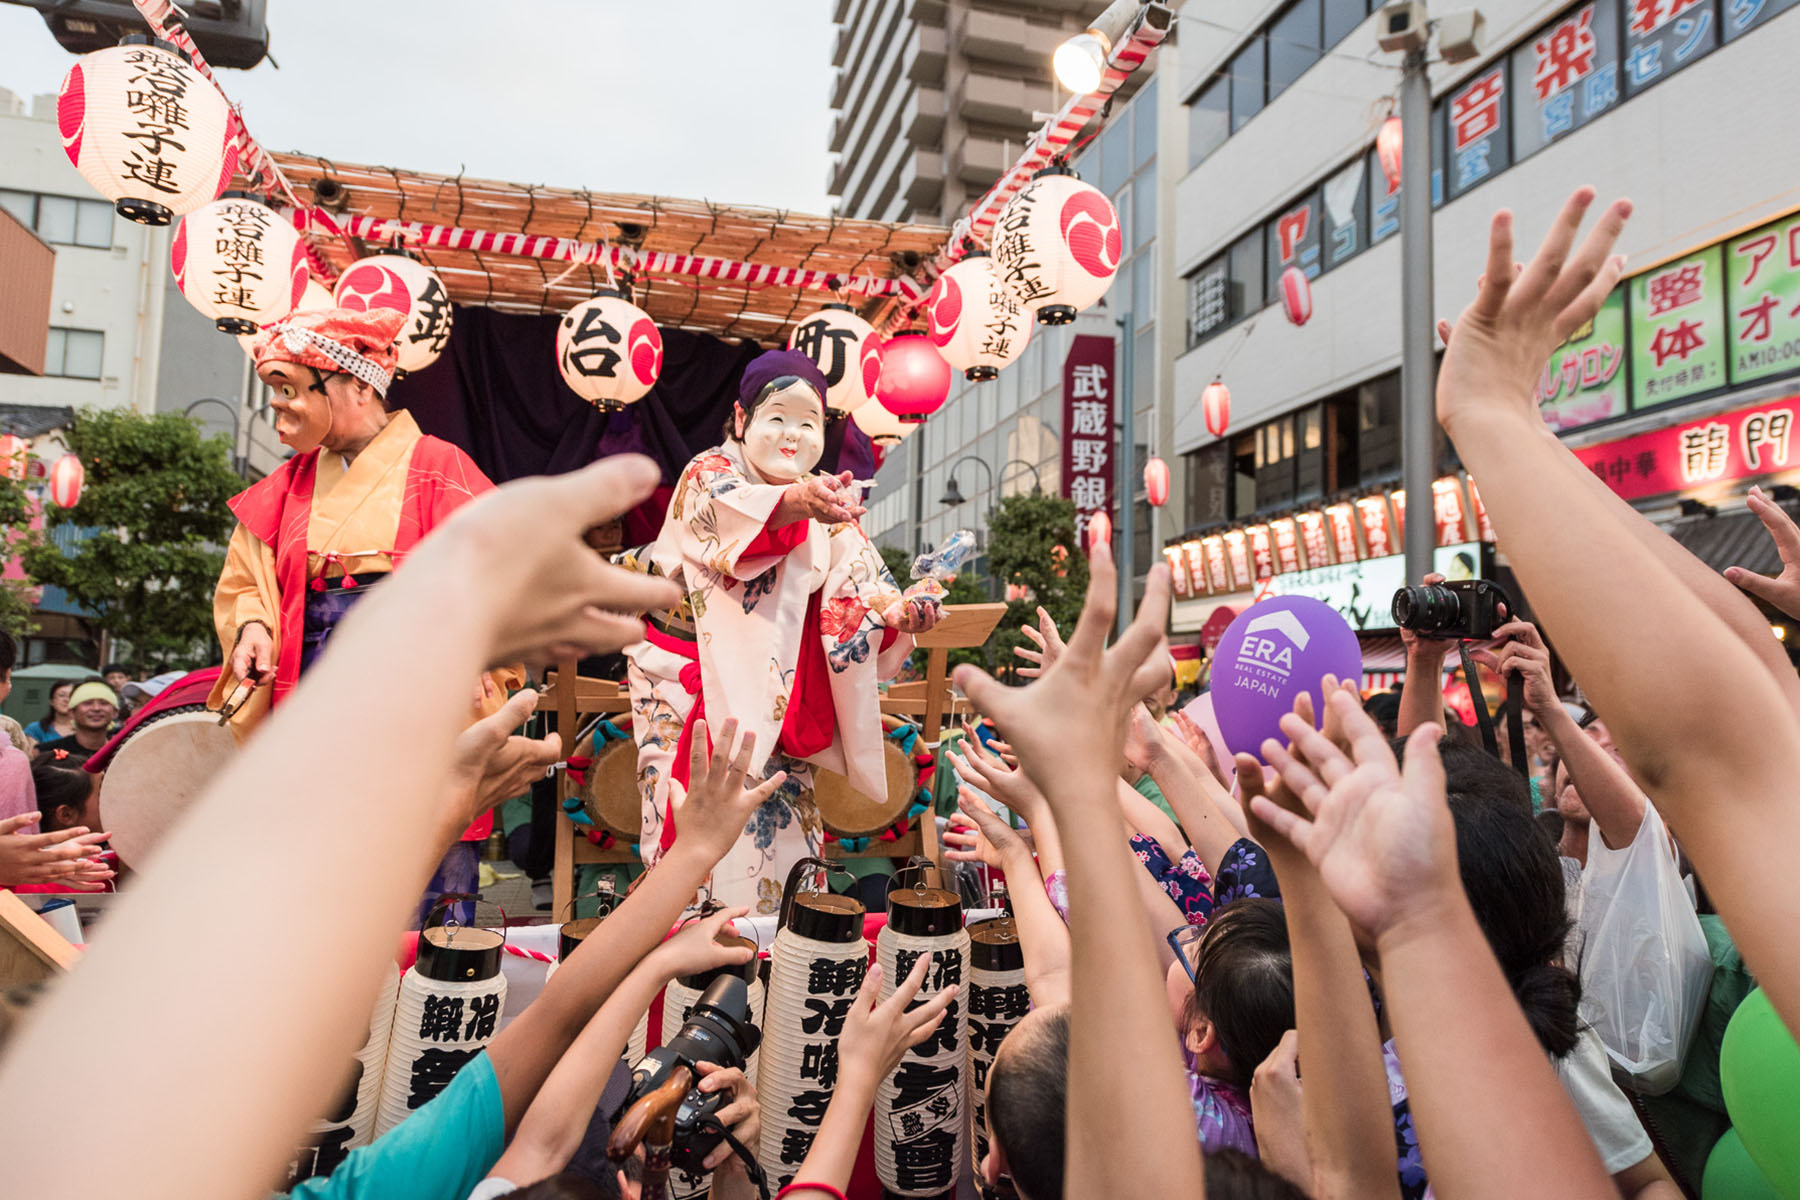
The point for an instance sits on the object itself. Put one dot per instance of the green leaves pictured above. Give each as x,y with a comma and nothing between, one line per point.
1031,541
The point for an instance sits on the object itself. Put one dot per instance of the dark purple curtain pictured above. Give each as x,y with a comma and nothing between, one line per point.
497,394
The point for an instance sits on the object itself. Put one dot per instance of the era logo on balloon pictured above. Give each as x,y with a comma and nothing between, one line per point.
1264,651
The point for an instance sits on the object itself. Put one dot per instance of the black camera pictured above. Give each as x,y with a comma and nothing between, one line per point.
1466,608
718,1031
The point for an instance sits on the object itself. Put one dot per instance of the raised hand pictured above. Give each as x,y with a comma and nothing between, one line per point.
696,946
61,857
1004,783
1049,645
913,614
1498,347
978,835
1143,741
718,804
1783,590
877,1032
1524,654
492,764
1383,843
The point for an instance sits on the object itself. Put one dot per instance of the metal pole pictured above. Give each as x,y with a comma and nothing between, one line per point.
1127,494
1418,414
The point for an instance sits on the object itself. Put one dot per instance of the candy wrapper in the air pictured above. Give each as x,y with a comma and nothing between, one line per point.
943,563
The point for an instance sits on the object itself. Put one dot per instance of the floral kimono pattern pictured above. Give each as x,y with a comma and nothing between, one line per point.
778,613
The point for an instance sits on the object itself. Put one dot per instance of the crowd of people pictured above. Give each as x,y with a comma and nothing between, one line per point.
1360,963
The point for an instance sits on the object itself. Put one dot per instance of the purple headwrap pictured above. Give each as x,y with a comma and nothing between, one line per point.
766,368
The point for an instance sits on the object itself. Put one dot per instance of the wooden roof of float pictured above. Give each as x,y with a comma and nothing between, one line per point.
731,308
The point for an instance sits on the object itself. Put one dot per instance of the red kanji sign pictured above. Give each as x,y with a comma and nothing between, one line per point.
1677,287
1565,55
1476,112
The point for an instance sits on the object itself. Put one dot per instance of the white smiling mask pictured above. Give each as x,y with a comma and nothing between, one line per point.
785,437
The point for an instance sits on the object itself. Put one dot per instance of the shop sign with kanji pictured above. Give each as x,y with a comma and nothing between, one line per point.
1478,143
1087,447
1678,329
1763,269
1717,449
1565,76
1584,381
1663,36
1741,16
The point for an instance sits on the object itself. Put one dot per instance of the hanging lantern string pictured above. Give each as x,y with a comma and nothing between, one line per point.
1052,138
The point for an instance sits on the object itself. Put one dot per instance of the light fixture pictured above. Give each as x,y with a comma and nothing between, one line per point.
1080,62
848,352
1387,150
1156,482
975,321
1215,405
1780,632
66,480
953,496
882,427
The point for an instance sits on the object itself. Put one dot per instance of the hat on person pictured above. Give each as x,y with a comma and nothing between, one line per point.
93,689
144,689
768,367
334,340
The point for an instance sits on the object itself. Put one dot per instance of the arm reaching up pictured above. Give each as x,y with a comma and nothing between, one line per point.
1042,935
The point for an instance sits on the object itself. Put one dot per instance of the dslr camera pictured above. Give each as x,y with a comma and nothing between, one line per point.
718,1031
1464,609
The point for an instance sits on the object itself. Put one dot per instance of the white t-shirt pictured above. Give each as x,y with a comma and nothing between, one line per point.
1586,1075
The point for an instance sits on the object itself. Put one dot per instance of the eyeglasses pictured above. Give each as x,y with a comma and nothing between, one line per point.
1185,941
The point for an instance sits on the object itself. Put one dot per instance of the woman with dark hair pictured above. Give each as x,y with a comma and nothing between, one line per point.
59,720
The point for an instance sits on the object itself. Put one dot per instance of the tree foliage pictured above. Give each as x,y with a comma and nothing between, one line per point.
1031,542
964,589
154,507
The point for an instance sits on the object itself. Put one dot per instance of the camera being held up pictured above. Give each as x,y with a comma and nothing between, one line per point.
718,1031
1466,609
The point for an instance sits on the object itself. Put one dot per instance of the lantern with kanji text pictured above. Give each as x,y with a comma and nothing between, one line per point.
1156,482
147,130
609,350
1057,245
848,352
239,262
392,279
1215,406
976,323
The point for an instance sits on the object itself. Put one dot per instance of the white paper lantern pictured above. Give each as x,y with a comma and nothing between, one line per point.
441,1023
976,322
316,296
609,350
239,262
392,280
66,480
848,351
883,427
1057,245
920,1114
998,1000
151,134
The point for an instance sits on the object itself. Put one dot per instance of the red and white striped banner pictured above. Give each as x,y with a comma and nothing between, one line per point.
619,258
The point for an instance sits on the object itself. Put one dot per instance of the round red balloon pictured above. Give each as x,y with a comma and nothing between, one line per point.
915,379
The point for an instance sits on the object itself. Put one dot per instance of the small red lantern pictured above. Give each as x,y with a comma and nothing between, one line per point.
66,478
1387,149
915,379
14,451
1156,482
1099,530
1215,405
1296,295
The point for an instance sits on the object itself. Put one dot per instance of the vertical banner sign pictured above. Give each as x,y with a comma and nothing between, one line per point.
1565,76
1087,448
1262,554
1484,530
1663,36
1347,211
1239,557
1343,532
1287,544
1178,575
1374,514
1312,532
1478,146
1206,301
1194,554
1384,202
1763,269
1584,381
1217,573
1678,329
1397,498
1447,508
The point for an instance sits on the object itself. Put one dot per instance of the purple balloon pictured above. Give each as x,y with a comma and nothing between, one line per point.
1272,652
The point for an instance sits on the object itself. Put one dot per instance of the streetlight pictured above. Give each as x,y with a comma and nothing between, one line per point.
1080,62
1406,28
237,460
953,494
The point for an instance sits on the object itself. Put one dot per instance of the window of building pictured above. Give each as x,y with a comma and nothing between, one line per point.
1209,120
1293,45
1143,289
1378,428
62,220
1143,207
1209,307
1243,475
73,353
1247,76
1115,152
1245,260
1342,16
1143,127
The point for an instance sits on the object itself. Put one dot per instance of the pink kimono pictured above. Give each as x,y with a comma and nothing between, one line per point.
787,638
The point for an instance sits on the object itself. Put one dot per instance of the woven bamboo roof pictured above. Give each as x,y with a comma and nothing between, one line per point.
727,308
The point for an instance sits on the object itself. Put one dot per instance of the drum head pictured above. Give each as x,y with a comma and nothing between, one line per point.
155,776
848,813
610,794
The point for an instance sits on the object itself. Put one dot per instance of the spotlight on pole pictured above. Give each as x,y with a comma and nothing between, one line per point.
1080,62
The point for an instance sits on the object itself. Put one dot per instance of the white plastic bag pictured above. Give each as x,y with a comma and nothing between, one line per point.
1645,967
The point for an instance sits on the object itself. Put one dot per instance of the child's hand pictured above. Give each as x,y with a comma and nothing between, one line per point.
1383,843
1006,784
1522,313
59,857
1049,645
979,835
718,805
876,1034
1069,725
741,1116
696,946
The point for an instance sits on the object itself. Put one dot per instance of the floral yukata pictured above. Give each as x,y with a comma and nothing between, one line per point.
786,637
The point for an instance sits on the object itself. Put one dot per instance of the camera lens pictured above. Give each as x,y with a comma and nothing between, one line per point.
1427,609
719,1030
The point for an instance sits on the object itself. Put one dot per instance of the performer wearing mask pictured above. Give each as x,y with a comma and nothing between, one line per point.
362,488
790,621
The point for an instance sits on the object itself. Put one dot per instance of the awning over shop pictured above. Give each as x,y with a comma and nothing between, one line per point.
1735,539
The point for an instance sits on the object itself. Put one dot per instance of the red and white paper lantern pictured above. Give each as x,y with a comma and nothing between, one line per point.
148,131
15,454
915,379
239,262
1099,530
393,280
66,480
1057,245
1387,150
976,323
1296,296
1215,406
609,351
848,352
1156,482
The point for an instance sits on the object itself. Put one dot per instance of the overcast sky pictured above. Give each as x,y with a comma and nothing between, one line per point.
715,99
